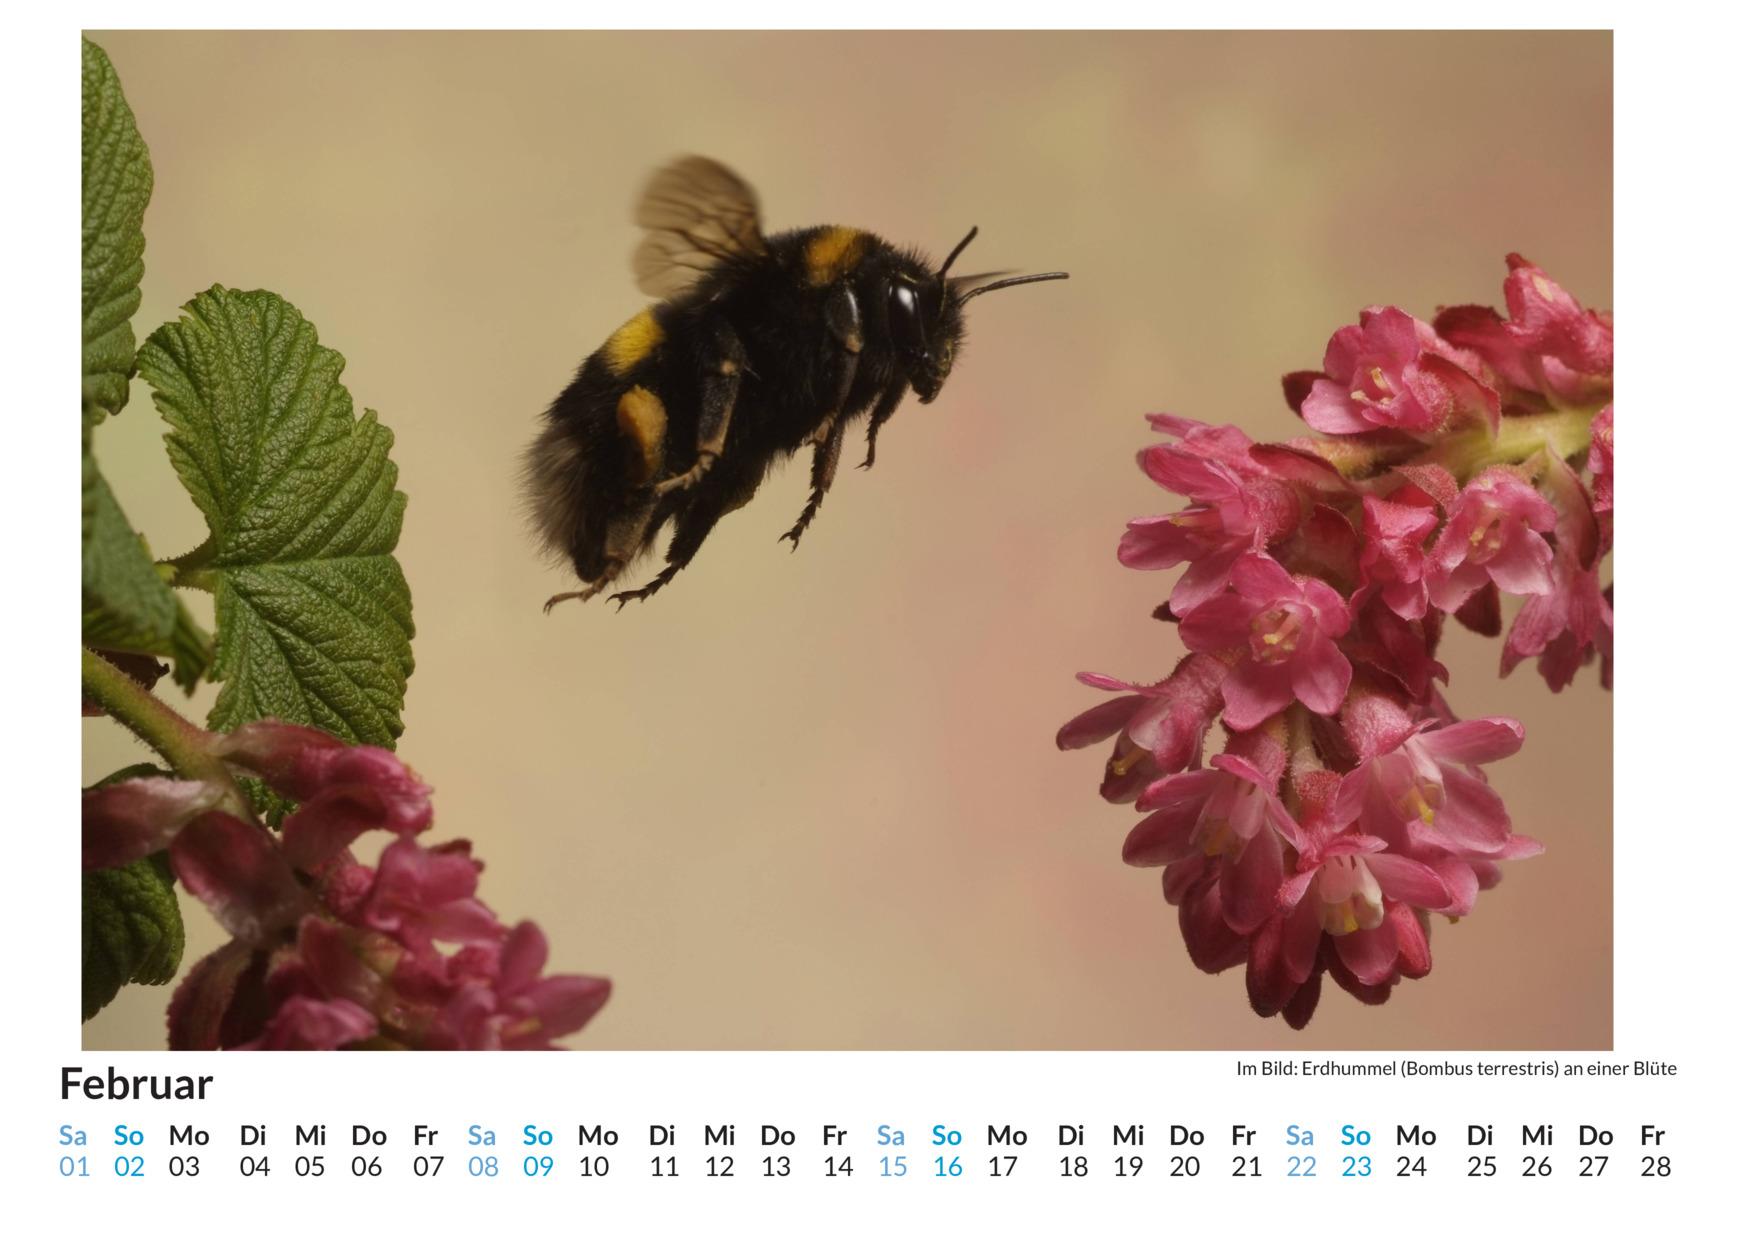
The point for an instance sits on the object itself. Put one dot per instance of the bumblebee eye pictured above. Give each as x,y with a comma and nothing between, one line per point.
906,328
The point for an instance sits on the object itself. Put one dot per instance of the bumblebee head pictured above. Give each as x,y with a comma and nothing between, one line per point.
926,317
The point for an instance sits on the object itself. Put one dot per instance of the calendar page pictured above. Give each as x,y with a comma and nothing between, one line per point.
988,628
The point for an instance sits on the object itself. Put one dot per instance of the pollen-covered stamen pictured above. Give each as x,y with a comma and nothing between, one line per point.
1126,762
1275,633
1383,395
1200,517
1230,819
1422,795
1348,896
1216,839
1486,539
1421,800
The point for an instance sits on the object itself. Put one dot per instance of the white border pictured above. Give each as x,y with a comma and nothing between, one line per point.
1681,272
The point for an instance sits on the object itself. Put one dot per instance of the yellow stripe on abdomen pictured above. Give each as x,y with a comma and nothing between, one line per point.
633,341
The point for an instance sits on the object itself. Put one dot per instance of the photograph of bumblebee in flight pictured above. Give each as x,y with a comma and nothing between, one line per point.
847,540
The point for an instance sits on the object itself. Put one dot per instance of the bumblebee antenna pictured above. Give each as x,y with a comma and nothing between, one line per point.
960,247
1014,280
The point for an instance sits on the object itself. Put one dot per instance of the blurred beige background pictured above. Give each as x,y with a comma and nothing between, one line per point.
813,800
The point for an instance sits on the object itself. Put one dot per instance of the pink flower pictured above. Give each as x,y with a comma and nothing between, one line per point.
326,952
1237,506
234,868
343,790
1161,727
1392,371
1350,890
1421,790
1414,498
1212,945
1395,531
1395,646
1563,629
1550,346
1429,787
1566,626
133,818
307,975
502,1001
1492,532
1546,319
421,894
1230,811
1281,630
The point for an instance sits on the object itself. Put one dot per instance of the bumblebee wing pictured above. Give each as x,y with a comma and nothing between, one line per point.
697,214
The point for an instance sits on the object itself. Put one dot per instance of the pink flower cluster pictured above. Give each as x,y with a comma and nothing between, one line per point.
1458,461
327,952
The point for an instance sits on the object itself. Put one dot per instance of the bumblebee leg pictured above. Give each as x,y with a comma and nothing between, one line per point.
881,413
625,536
692,527
822,466
646,591
846,344
721,372
590,591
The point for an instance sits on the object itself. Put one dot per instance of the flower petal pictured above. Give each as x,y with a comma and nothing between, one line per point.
1205,579
1160,837
1262,580
1474,741
1174,468
1183,792
1220,623
203,998
1524,566
1411,882
1369,954
1297,1013
1269,986
1254,692
133,818
1098,723
1248,888
1156,542
1212,945
235,870
559,1006
1320,677
1300,939
1472,814
1413,954
1329,408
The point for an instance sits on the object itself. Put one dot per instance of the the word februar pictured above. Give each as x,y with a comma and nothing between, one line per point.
116,1087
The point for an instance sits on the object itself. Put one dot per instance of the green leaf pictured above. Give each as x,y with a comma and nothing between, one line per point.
116,183
131,930
314,616
126,603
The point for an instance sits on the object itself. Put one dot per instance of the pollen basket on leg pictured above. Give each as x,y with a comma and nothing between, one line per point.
640,415
833,253
633,341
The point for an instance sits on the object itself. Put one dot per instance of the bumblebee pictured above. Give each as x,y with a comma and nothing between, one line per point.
757,346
